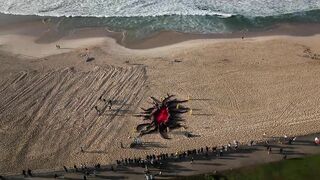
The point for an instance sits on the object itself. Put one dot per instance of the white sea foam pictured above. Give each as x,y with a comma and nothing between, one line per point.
129,8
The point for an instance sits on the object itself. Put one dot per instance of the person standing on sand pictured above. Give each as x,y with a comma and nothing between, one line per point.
75,168
110,104
281,150
81,150
220,153
229,145
29,172
236,144
214,148
98,111
316,141
87,53
24,173
65,168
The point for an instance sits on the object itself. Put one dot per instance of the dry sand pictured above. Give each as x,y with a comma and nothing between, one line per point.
238,89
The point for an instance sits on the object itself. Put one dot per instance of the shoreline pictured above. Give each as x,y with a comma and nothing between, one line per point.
35,36
166,38
34,26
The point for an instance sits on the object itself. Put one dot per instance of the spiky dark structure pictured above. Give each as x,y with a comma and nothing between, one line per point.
163,115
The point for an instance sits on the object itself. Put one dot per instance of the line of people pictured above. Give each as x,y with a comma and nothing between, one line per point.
156,160
159,160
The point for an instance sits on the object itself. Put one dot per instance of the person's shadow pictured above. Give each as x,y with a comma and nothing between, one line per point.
90,59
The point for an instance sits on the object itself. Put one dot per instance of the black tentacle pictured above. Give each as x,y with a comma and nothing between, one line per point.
148,131
167,99
164,134
148,110
162,128
141,126
156,100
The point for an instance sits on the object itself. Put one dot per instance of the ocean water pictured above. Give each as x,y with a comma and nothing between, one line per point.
140,18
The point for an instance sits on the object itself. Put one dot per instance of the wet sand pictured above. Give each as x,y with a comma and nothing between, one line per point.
238,89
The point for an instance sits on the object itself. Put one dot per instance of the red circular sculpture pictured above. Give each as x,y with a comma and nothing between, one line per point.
163,115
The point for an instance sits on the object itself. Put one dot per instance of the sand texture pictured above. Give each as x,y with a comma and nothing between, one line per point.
238,89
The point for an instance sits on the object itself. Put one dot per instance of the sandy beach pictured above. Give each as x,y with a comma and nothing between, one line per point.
238,90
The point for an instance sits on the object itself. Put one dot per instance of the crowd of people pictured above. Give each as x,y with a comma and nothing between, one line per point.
160,161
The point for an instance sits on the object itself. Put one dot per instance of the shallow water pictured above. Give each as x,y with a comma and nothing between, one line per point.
141,18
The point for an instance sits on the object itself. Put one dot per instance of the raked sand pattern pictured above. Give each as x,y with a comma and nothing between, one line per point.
46,116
